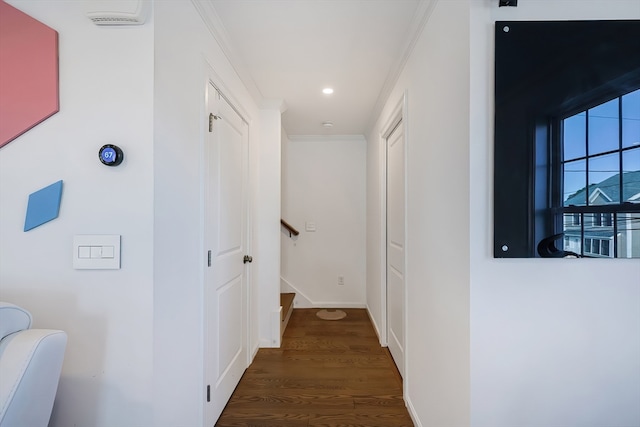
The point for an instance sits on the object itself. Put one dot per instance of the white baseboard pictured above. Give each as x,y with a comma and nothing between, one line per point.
375,327
303,301
266,344
254,351
412,411
329,304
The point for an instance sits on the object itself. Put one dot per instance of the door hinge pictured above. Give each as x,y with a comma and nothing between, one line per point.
209,258
212,117
208,393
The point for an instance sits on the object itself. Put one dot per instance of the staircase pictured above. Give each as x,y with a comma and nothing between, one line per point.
286,302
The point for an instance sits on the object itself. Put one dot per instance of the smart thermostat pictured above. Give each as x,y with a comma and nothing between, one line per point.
110,155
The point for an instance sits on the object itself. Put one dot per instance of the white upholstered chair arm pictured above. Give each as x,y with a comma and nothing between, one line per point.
30,366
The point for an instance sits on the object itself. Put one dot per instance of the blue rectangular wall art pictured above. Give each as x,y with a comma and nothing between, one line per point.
44,205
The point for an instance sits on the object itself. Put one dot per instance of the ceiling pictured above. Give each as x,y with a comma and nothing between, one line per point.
290,50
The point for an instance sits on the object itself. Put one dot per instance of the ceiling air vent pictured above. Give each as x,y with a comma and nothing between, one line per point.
118,12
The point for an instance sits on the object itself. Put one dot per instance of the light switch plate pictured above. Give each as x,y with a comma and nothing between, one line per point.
310,226
104,251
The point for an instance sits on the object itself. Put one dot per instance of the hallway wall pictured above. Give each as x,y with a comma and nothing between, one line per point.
435,79
106,97
495,342
553,342
186,57
324,183
266,211
134,355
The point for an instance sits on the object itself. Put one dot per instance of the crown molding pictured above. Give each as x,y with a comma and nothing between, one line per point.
273,104
423,13
213,22
325,138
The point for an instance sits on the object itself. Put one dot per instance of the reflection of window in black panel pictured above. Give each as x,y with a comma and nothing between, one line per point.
600,172
546,72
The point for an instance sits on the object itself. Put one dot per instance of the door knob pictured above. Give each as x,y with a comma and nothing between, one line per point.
247,259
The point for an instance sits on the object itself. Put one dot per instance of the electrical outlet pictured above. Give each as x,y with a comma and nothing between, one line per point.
341,280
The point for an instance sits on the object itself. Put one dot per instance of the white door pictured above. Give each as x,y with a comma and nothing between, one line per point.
396,245
225,237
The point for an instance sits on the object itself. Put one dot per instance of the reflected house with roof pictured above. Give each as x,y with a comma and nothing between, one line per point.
605,234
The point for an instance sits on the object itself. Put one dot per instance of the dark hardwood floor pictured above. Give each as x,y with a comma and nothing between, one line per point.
326,373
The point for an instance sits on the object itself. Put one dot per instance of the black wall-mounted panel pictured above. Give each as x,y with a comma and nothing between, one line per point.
545,69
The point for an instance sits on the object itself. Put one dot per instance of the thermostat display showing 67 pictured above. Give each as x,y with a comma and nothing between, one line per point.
110,155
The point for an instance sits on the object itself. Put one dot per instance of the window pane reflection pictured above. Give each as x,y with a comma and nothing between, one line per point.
604,179
574,176
628,235
604,175
604,128
631,119
575,136
631,175
572,233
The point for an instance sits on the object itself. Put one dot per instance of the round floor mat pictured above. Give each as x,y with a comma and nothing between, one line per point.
331,314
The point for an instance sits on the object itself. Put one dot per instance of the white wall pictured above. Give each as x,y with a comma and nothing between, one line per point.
325,184
553,342
186,56
375,231
436,80
135,335
106,96
267,212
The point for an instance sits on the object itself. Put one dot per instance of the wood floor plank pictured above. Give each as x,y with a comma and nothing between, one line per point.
327,373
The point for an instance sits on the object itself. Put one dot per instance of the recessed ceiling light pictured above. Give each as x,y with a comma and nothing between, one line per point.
327,124
327,91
